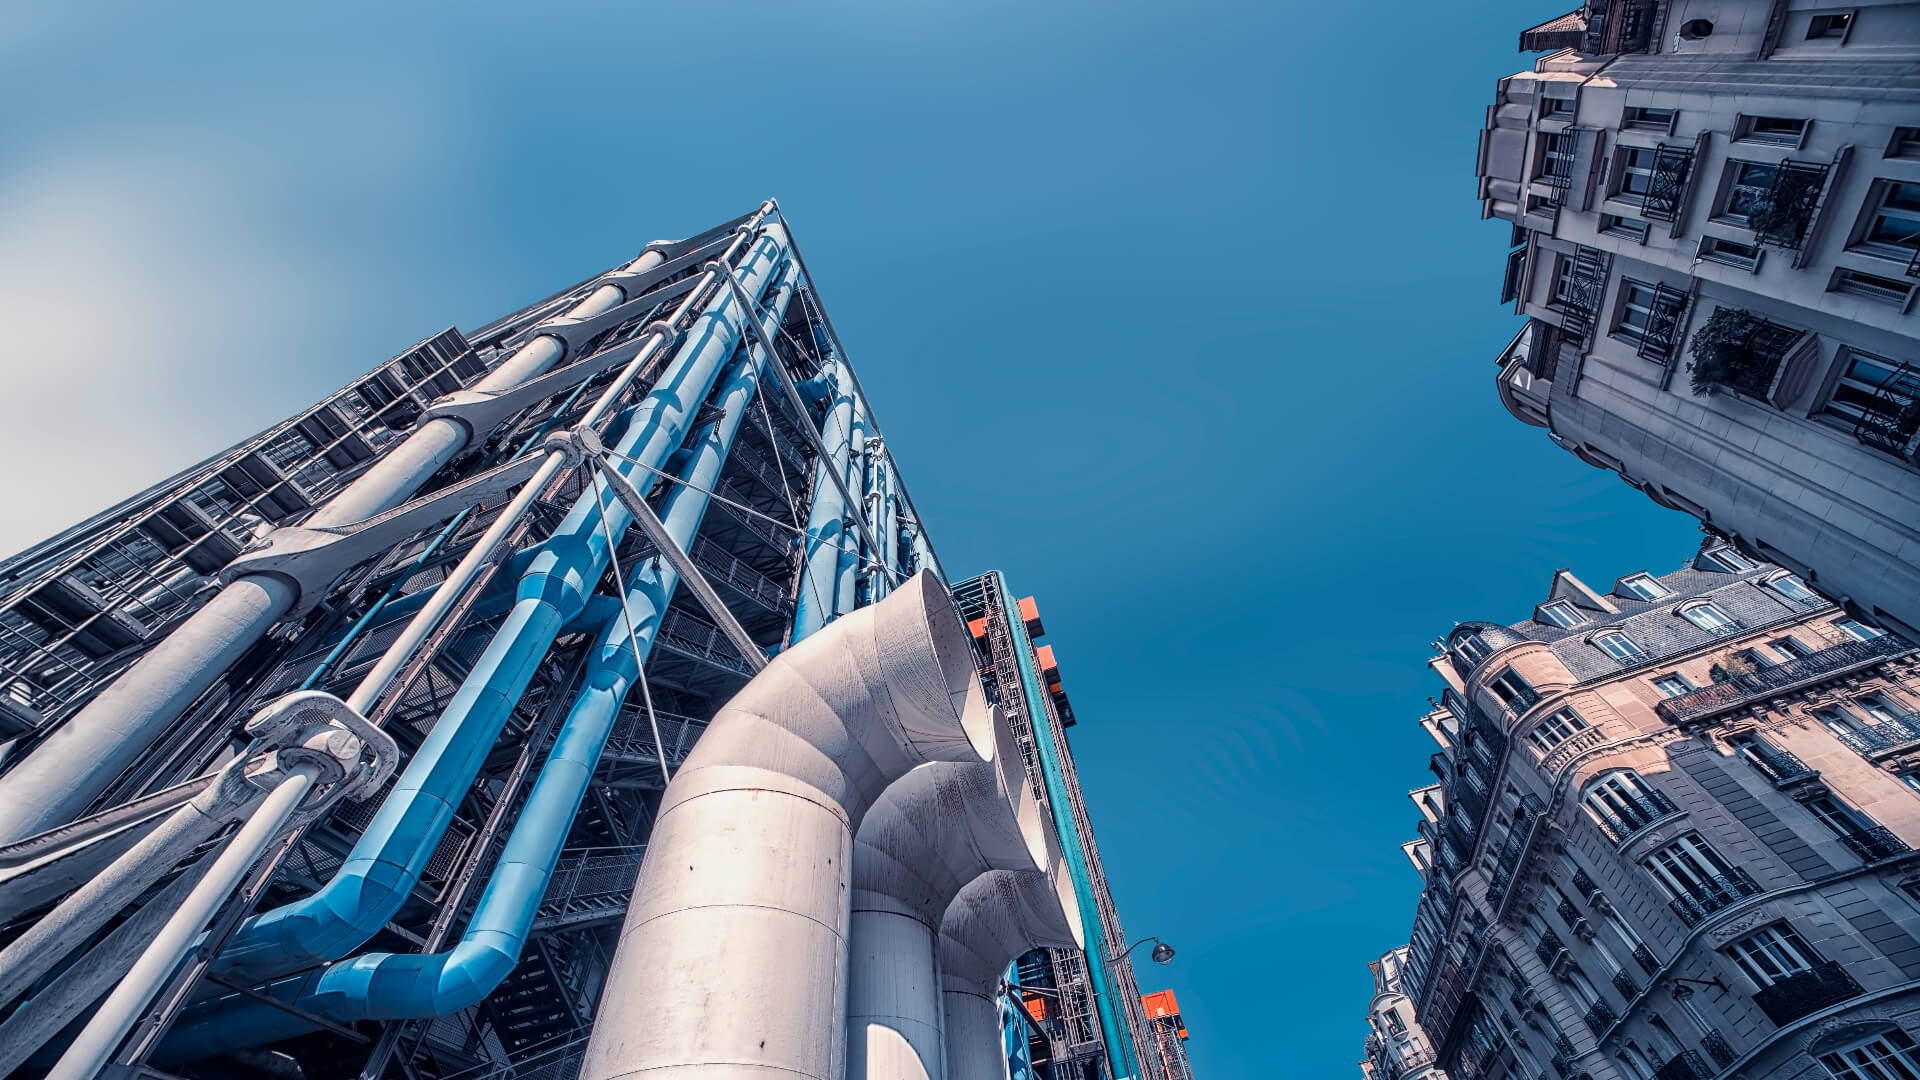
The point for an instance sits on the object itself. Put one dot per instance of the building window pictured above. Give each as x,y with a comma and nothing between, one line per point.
1709,618
1791,647
1870,389
1556,159
1730,252
1880,290
1568,288
1793,588
1553,108
1863,836
1730,560
1624,227
1642,587
1555,729
1858,631
1750,188
1561,613
1471,648
1891,227
1395,1025
1884,1057
1617,645
1673,685
1772,954
1513,691
1643,316
1912,780
1623,804
1642,118
1832,26
1633,177
1776,130
1905,143
1696,879
1881,710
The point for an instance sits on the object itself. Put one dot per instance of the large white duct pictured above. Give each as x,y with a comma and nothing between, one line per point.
995,919
936,829
733,958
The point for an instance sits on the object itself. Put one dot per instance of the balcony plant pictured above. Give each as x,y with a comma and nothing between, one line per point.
1718,350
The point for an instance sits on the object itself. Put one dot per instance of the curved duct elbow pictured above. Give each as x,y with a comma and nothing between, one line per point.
933,831
733,957
995,919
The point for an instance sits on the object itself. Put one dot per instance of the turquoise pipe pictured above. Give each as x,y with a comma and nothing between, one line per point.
385,865
1114,1034
393,986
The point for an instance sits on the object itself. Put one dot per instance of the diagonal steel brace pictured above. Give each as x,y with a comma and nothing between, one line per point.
591,450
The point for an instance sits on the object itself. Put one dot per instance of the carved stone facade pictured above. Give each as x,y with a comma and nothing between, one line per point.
1715,215
1397,1048
1671,837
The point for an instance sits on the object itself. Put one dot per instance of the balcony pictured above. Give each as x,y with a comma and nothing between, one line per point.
1716,1047
1648,962
1795,996
1891,418
1686,1065
1659,341
1599,1018
1713,894
1628,816
1778,766
1585,884
1578,298
1550,950
1889,734
1874,843
1624,983
1779,679
1739,351
1782,216
1568,913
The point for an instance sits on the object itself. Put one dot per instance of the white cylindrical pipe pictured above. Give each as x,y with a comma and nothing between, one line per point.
78,759
123,1007
995,919
933,831
733,958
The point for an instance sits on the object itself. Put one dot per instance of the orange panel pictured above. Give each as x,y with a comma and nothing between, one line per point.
978,627
1030,614
1160,1004
1044,655
1036,1007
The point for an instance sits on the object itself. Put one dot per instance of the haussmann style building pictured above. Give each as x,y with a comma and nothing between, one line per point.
1715,212
1670,837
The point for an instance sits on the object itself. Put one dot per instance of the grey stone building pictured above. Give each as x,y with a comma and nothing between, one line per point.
1715,213
1397,1049
1670,837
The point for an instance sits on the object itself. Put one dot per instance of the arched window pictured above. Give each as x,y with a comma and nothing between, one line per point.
1888,1054
1471,648
1617,645
1556,728
1709,617
1792,588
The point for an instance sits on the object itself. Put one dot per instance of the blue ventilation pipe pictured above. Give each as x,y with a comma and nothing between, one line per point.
384,866
1118,1040
394,986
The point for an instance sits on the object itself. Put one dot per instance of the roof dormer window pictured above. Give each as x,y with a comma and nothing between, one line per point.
1562,614
1641,587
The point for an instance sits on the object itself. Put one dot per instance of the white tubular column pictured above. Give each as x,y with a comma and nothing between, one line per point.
78,759
733,959
936,829
995,919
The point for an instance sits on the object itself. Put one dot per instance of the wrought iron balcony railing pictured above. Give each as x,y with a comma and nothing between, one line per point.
1779,679
1782,217
1628,815
1713,894
1599,1018
1795,996
1660,340
1686,1065
1758,361
1568,913
1671,167
1549,948
1584,883
1779,766
1586,284
1624,983
1643,956
1874,843
1715,1044
1891,417
1888,734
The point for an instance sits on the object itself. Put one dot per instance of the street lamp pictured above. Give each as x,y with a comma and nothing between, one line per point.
1162,952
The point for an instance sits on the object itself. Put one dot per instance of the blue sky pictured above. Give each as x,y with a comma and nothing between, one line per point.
1182,315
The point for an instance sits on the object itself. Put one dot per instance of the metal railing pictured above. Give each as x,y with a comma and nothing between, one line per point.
1785,214
1661,339
1778,766
1892,418
1623,982
1686,1065
1802,993
1671,167
1629,815
1549,948
1586,284
1874,843
1779,679
1648,962
1712,894
1600,1017
1716,1047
